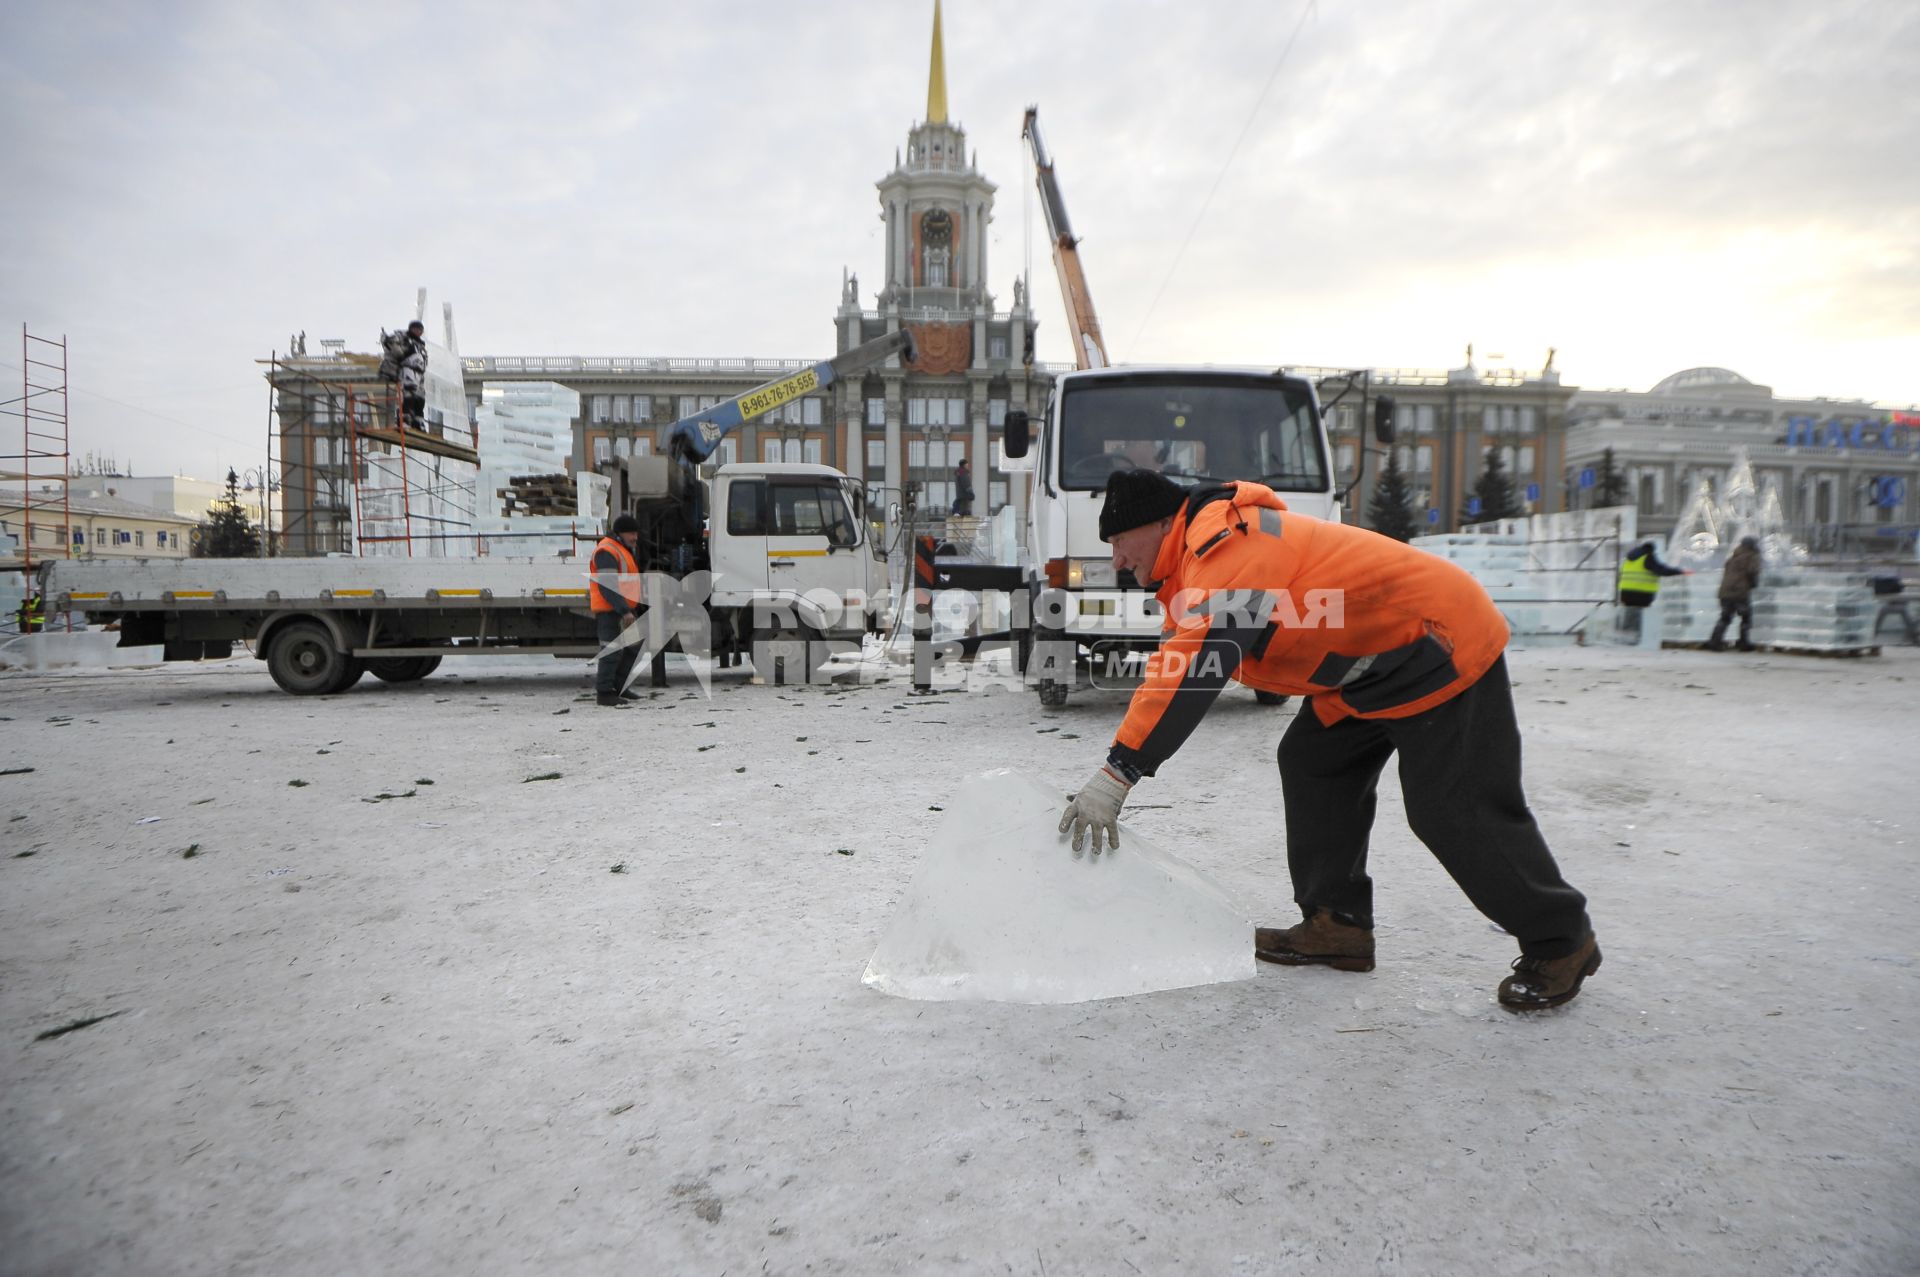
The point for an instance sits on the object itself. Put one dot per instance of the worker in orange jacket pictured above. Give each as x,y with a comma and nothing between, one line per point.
1396,650
613,592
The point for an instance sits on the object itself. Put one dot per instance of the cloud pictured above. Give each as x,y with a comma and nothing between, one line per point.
1647,186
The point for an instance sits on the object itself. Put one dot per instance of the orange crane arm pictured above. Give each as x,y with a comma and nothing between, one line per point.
1089,348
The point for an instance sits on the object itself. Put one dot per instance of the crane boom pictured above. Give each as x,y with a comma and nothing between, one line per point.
1089,348
694,438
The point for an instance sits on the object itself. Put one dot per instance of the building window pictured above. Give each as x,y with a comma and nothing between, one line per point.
996,347
686,406
643,447
770,450
996,494
623,447
876,454
602,450
160,539
1343,457
602,408
811,452
79,537
810,411
643,408
996,413
729,451
876,412
619,407
936,412
1647,489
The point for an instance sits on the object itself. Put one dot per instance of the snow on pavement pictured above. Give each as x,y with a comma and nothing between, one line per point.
438,1032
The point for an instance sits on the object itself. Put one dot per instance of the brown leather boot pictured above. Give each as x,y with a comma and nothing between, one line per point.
1321,940
1539,983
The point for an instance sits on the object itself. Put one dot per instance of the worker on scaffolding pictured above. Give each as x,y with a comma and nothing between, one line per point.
404,362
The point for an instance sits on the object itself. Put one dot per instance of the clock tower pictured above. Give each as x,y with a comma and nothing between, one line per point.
973,361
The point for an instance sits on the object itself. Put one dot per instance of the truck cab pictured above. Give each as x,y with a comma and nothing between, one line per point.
1196,426
797,533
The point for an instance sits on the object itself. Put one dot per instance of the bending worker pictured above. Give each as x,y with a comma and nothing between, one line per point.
1397,650
613,592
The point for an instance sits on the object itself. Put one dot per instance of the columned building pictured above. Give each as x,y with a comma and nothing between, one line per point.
1847,473
898,425
1445,423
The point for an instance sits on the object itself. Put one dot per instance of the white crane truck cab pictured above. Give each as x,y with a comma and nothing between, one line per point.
1196,426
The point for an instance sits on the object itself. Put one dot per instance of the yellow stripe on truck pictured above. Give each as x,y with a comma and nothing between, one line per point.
353,594
100,595
459,594
796,554
778,393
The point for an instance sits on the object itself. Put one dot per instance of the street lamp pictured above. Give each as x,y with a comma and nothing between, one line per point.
262,480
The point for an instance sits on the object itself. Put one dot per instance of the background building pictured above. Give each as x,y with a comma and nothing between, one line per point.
1445,421
101,526
1846,471
895,426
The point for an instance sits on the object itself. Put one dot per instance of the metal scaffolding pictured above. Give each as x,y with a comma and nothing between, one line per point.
44,464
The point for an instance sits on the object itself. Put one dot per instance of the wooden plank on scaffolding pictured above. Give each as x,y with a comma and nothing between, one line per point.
422,441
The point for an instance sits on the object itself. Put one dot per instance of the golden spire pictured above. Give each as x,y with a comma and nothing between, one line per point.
937,76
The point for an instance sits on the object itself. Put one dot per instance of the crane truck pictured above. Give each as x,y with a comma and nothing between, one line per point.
791,567
1073,613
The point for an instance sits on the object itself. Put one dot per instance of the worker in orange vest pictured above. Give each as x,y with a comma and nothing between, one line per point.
1396,650
613,591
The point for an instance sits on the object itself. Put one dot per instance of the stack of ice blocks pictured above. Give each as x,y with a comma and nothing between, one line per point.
1550,575
1800,608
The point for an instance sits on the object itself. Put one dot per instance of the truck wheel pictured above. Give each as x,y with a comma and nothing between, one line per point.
351,669
789,656
1053,694
402,669
304,661
1270,698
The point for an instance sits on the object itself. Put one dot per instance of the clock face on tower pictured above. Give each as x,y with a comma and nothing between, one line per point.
936,229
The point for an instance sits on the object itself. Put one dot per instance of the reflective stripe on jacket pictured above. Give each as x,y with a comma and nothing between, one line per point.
623,575
1360,623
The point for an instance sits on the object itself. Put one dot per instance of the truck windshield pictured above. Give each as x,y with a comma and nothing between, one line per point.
784,507
1195,428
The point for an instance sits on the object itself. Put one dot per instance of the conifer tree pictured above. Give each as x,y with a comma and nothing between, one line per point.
226,532
1610,485
1391,509
1495,489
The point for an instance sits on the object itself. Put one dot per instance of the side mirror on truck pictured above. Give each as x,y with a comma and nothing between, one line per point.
1383,419
1015,433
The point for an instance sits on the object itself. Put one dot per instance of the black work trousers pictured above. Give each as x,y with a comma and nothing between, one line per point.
1730,608
1460,779
611,677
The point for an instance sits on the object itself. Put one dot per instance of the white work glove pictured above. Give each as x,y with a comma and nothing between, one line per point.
1097,808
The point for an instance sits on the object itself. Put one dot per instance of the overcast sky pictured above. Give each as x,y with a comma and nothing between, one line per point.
1647,185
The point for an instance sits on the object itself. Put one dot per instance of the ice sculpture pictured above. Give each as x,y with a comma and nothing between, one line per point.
1777,545
1697,533
1000,911
1739,499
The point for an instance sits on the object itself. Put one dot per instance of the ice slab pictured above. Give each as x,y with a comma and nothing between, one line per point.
1000,911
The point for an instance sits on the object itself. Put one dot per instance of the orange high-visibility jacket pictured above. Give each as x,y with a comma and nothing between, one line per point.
626,588
1358,622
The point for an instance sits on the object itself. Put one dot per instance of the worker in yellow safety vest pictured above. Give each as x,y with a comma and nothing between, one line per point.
33,614
1640,575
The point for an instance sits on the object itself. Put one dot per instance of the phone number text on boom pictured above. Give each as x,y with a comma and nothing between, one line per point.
780,392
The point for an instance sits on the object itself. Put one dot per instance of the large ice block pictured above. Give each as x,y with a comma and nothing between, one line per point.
1000,911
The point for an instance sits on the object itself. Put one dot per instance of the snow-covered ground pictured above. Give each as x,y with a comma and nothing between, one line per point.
447,1032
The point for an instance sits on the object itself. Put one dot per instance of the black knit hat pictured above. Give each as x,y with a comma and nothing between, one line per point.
1136,498
625,523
